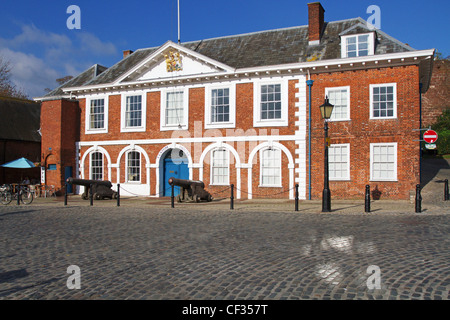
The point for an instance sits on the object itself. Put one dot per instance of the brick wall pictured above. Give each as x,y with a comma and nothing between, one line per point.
360,131
244,126
60,127
436,99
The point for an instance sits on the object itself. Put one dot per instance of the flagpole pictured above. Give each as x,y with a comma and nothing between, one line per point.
179,38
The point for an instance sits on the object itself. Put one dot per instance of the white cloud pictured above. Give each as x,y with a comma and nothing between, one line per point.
92,44
29,72
31,34
39,57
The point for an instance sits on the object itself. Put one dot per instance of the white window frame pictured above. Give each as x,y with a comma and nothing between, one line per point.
391,144
283,121
209,124
261,153
123,120
212,182
88,129
372,86
90,165
184,124
327,94
371,44
347,145
127,166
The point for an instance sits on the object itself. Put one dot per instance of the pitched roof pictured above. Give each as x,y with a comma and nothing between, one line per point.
80,80
265,48
20,119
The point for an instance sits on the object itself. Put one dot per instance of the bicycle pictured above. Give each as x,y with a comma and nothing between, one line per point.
6,195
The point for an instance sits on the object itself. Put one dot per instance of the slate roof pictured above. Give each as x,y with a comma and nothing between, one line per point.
20,119
80,80
265,48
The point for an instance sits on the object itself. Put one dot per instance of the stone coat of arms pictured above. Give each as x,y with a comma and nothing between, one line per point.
174,61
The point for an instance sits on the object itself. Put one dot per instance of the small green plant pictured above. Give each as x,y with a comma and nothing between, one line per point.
442,127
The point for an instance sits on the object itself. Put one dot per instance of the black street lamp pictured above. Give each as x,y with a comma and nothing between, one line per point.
326,109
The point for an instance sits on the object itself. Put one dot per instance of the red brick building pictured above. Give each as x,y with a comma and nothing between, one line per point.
437,98
238,110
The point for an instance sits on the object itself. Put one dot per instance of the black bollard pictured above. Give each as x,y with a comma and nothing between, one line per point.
172,198
232,197
446,195
118,194
91,196
296,197
65,195
367,199
418,199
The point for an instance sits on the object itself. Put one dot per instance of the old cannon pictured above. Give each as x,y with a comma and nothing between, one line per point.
190,190
100,189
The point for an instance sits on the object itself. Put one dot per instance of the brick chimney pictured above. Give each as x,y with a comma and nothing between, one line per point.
315,22
126,53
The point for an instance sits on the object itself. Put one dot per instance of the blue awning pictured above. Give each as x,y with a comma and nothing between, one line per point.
21,163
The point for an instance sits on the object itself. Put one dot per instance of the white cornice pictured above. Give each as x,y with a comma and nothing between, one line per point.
330,65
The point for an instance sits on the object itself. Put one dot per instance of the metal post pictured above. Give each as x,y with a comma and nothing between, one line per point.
296,197
367,199
172,198
418,199
18,194
446,195
118,194
232,197
91,196
65,195
326,195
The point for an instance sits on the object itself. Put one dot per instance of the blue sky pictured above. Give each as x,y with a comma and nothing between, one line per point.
35,39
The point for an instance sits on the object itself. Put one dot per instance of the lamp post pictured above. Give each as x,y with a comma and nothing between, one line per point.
326,109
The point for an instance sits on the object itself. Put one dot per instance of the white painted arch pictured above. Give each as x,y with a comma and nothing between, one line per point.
132,188
91,150
274,145
160,166
221,145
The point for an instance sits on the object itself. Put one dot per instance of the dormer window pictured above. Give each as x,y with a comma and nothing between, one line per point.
357,45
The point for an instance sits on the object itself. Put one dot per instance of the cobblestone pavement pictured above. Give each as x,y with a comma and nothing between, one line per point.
195,252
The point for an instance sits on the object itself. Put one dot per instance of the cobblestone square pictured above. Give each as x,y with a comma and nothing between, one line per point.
158,253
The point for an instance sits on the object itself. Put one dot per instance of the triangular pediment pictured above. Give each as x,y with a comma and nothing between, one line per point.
357,29
172,61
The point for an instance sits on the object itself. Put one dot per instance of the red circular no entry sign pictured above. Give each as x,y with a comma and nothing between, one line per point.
430,136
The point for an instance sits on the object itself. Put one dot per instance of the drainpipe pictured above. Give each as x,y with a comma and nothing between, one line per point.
309,82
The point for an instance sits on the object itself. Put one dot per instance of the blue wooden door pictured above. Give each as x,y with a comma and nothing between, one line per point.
174,170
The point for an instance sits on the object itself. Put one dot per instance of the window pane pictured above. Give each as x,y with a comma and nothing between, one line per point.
133,115
271,101
271,167
357,45
383,162
134,166
219,166
338,166
220,105
174,108
338,97
97,114
383,101
97,166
